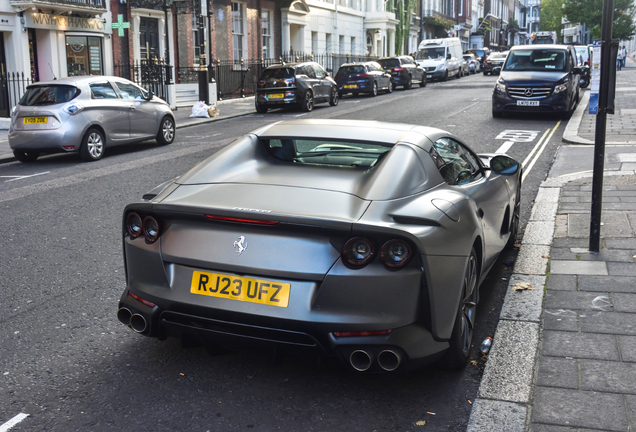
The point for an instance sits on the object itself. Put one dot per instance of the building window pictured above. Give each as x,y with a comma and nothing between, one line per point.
195,40
84,55
266,19
354,50
238,32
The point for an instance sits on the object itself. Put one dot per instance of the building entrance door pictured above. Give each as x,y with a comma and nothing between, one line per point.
149,38
4,93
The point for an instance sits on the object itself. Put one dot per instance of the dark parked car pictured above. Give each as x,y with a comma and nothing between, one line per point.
295,84
494,62
363,241
538,78
404,71
366,77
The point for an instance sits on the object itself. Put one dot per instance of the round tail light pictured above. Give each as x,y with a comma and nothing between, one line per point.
151,229
133,225
395,253
358,251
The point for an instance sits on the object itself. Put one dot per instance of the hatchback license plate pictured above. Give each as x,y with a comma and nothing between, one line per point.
350,86
527,103
240,288
31,120
276,96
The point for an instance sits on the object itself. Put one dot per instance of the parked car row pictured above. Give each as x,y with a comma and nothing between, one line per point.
307,83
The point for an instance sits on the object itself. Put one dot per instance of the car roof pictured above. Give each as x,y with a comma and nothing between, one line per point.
78,80
539,47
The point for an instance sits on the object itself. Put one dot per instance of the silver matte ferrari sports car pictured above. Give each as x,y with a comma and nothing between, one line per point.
363,241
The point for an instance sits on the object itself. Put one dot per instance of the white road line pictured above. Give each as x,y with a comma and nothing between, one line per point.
505,147
536,157
464,109
217,134
14,178
14,421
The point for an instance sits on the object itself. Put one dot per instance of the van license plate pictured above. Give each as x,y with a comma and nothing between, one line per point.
527,103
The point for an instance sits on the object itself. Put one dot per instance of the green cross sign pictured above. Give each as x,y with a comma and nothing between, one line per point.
120,25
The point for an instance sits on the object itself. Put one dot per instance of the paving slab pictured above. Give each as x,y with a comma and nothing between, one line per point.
497,416
560,320
607,283
576,408
627,347
621,269
578,267
579,345
609,323
558,372
594,301
624,302
607,376
614,224
562,282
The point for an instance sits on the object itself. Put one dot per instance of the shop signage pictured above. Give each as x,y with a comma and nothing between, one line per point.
120,25
67,23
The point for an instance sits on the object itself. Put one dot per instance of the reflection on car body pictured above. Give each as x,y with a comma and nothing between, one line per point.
362,241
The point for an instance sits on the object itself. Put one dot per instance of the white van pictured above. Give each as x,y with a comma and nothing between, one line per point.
441,58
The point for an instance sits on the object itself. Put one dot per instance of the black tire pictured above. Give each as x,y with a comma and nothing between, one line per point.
166,131
423,82
461,339
393,86
307,104
390,88
460,73
409,83
374,90
485,73
26,156
92,148
445,77
334,98
260,108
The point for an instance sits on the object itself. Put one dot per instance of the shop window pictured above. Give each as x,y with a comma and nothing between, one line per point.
84,55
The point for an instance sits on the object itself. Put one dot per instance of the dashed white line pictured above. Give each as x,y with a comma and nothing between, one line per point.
14,178
14,421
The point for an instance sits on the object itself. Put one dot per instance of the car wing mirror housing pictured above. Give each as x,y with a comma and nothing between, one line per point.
448,56
577,70
149,95
504,165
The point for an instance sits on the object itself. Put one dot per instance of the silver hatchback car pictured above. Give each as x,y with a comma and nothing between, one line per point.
86,114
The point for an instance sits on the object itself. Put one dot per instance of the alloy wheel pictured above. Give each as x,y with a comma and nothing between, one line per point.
469,305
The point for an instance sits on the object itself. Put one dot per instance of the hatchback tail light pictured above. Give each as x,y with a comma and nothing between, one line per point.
398,69
262,83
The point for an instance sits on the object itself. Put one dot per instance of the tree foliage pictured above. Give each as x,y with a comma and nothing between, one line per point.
590,12
551,15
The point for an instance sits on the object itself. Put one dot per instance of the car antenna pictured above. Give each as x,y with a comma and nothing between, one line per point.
54,77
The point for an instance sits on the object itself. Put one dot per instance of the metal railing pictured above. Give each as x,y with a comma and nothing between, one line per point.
12,86
154,75
236,79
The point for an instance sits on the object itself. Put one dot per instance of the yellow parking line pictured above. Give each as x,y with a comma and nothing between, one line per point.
541,145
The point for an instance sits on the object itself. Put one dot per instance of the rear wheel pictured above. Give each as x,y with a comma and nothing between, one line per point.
409,83
26,156
390,88
423,82
334,98
260,109
374,90
92,147
462,336
166,131
307,104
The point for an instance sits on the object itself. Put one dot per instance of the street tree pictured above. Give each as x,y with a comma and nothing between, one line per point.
551,16
590,12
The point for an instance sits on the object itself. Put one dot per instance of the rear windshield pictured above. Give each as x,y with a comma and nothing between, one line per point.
278,73
351,70
345,154
389,63
497,55
431,53
49,95
545,60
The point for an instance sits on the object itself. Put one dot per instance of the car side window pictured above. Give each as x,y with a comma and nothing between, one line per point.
129,91
320,73
455,162
102,90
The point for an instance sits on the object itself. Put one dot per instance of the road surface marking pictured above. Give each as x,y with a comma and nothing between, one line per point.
14,421
512,136
464,109
217,134
14,178
505,147
539,152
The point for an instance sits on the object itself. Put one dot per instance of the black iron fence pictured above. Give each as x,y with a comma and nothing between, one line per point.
236,79
154,75
12,87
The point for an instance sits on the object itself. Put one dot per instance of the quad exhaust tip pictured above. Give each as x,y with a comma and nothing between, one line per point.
389,360
138,323
123,315
360,360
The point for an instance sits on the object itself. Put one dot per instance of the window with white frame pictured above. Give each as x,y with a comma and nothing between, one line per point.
268,25
238,31
195,40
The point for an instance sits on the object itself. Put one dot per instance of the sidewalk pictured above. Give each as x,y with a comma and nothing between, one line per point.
228,109
564,353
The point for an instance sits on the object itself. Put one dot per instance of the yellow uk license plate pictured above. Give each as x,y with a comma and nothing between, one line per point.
240,288
351,86
31,120
276,96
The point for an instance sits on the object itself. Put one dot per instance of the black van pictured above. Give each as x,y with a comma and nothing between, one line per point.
538,79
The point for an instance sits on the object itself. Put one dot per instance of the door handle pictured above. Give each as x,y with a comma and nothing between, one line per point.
131,107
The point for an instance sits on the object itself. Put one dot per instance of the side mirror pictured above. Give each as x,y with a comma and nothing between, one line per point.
448,56
577,71
148,96
504,165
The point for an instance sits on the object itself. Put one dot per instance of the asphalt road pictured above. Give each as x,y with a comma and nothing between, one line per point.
69,364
